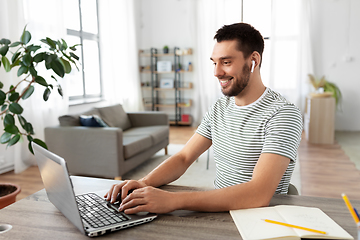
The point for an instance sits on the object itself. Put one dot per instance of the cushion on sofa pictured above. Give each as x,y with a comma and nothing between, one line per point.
74,119
115,116
135,144
92,121
157,133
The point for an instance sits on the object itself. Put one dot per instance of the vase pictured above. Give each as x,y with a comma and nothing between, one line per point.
8,193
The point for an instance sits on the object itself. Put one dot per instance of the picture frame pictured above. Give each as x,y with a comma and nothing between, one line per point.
164,66
167,83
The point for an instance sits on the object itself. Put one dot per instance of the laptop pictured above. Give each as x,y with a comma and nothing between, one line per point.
90,213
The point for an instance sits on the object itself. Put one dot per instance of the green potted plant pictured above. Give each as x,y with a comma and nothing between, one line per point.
324,88
25,58
165,49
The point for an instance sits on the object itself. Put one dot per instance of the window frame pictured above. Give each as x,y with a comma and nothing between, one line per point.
85,98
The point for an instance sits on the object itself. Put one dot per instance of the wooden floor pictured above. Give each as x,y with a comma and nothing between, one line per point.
325,170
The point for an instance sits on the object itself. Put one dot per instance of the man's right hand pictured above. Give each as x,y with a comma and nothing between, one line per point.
124,188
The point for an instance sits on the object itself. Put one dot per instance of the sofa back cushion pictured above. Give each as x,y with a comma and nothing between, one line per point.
115,116
74,119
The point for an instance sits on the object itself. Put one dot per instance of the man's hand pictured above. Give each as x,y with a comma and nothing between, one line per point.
149,199
124,188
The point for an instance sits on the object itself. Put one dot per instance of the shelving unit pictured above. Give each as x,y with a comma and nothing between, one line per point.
167,93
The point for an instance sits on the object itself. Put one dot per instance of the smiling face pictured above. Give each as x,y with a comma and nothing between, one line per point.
230,67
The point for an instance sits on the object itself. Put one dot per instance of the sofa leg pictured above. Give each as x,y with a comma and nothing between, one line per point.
118,178
166,151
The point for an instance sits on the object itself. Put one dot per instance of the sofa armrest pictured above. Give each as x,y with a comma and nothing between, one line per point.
88,150
141,119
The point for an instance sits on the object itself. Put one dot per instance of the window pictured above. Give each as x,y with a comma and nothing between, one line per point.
81,22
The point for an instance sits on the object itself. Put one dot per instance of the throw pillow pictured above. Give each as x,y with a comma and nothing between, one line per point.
92,121
115,116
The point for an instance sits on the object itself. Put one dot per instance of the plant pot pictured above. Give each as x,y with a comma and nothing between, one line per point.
8,193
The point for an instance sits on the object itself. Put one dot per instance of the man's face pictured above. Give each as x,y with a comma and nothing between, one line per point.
230,68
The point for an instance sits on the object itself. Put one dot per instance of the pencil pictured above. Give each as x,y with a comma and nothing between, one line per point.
294,226
351,209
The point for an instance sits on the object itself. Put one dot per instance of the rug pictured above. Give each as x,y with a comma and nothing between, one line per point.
197,174
350,143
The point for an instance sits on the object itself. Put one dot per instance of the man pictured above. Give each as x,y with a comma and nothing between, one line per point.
254,131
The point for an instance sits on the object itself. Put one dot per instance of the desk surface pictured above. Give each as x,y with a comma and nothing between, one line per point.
36,218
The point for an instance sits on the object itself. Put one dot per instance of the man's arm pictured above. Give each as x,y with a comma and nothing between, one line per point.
255,193
168,171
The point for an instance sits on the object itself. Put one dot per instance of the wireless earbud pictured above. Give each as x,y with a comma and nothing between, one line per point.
252,66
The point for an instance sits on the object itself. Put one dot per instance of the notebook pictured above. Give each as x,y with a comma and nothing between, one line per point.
90,213
251,224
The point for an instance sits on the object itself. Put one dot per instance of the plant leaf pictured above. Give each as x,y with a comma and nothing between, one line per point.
11,129
39,57
3,107
15,44
34,48
22,120
74,56
32,70
5,137
40,80
4,50
5,41
13,97
29,128
25,37
27,59
6,63
50,42
60,91
2,96
9,120
39,142
15,108
66,65
28,92
22,70
58,68
46,94
14,140
15,56
1,85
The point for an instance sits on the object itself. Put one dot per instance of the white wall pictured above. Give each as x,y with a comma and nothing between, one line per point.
336,41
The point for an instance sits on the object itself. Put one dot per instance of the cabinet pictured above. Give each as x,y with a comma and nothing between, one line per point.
163,82
319,120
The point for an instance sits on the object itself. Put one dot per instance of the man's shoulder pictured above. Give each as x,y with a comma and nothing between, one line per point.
277,103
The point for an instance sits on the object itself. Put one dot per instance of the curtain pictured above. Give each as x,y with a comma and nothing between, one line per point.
119,54
210,16
290,51
42,21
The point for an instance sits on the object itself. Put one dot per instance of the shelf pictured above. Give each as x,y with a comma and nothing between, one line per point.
156,72
183,123
187,86
166,103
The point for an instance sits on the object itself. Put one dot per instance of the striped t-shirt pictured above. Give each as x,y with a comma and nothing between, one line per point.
240,134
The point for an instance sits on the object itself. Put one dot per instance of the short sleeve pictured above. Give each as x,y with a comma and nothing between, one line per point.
283,132
204,128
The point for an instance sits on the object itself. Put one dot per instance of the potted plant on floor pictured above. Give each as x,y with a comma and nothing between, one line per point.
8,193
26,58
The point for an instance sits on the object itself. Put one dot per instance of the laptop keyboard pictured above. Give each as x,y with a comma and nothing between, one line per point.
93,211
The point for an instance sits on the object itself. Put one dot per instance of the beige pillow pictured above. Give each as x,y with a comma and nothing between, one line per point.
115,116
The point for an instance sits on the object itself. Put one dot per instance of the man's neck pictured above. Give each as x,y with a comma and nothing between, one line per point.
251,93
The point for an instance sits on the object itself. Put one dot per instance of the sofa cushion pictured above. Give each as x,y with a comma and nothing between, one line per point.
74,119
133,145
157,133
92,121
115,116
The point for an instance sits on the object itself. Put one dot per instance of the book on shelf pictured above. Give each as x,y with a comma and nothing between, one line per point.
252,225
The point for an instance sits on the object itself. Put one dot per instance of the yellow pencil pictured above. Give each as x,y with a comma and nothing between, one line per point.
294,226
351,209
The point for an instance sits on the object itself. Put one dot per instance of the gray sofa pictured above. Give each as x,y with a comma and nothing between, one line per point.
128,140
